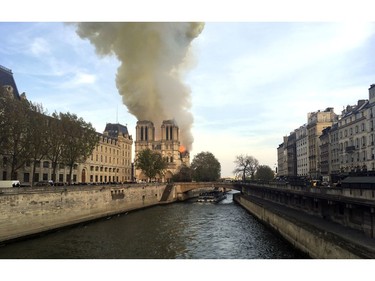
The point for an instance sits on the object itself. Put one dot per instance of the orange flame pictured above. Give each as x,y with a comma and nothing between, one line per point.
182,149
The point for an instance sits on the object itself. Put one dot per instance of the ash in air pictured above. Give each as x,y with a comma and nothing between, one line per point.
153,58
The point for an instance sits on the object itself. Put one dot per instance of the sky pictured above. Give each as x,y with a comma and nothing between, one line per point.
251,83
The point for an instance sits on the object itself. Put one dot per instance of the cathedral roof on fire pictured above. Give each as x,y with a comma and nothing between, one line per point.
6,79
114,130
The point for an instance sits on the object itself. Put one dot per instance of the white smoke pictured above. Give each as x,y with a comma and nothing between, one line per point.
153,58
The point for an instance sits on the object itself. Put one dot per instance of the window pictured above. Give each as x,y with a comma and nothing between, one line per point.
26,177
45,164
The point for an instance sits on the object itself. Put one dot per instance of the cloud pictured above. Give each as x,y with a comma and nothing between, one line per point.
40,47
83,78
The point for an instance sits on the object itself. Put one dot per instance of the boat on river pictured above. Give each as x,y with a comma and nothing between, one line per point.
212,196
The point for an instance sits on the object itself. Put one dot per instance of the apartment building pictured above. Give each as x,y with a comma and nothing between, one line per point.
111,160
334,154
316,122
282,159
337,144
353,136
302,151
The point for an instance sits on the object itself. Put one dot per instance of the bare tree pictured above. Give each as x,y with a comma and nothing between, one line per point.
246,166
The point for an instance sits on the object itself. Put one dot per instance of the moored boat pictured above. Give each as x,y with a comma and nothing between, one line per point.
212,196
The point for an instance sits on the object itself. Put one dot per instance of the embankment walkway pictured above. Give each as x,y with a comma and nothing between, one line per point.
353,240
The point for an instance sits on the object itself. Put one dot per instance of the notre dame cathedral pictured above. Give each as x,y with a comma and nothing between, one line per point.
168,145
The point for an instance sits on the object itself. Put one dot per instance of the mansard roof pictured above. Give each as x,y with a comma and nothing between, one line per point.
6,79
353,109
114,130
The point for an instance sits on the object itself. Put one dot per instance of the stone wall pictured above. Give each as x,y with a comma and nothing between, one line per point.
304,237
27,211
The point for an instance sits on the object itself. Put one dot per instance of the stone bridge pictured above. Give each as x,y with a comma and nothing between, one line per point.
184,188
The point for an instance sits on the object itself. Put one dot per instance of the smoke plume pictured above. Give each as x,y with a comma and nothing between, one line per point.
153,58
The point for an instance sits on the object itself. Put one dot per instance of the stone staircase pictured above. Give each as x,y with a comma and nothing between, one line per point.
167,192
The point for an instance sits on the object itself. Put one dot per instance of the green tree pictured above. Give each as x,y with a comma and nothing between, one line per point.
246,166
264,172
15,131
55,141
151,163
183,175
38,136
205,167
80,139
4,121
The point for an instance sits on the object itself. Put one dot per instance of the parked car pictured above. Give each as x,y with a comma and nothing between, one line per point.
44,183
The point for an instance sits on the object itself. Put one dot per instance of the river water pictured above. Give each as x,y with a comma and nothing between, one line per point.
185,230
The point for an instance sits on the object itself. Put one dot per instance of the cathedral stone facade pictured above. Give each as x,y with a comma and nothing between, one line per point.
167,144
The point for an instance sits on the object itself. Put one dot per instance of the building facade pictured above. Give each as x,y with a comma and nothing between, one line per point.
316,122
353,137
325,149
282,158
302,151
168,145
111,160
334,153
336,144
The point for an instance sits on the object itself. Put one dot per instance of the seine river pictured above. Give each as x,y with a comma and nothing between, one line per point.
185,230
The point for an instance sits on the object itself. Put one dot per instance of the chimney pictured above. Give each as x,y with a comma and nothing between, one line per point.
371,91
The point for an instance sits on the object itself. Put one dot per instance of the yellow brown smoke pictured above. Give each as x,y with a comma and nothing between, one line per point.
153,57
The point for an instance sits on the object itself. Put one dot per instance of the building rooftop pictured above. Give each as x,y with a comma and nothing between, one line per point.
353,109
114,130
6,79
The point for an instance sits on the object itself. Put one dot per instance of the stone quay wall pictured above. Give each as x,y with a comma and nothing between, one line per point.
309,239
29,211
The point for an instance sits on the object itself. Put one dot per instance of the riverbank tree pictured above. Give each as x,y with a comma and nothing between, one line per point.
183,175
151,163
28,135
264,172
80,139
205,167
246,166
